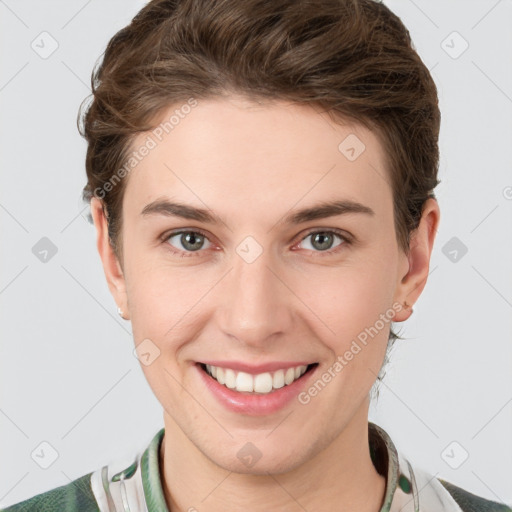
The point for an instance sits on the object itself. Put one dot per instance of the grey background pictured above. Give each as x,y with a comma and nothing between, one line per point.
68,375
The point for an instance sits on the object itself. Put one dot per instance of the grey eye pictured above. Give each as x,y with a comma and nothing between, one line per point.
322,240
189,240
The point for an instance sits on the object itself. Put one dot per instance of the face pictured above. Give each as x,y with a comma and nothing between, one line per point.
259,284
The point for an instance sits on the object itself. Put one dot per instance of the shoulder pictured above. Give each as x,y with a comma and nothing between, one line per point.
411,488
131,482
469,502
77,495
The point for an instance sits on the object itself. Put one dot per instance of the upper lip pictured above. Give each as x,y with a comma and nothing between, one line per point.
257,368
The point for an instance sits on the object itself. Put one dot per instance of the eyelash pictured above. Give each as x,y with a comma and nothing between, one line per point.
186,254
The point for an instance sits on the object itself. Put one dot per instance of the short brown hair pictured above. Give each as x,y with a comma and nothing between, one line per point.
353,58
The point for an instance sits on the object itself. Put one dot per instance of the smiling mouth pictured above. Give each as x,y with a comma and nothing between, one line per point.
263,383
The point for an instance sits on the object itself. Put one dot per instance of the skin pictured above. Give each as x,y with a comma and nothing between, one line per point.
252,164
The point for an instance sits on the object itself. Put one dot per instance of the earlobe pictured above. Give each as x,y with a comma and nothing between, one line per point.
422,241
111,265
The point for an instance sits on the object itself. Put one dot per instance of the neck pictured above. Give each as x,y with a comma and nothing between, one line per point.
340,477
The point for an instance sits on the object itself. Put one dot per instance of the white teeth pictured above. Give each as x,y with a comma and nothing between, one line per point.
244,382
262,383
289,376
278,380
230,378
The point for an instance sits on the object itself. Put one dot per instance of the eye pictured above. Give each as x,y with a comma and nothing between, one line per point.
322,241
188,242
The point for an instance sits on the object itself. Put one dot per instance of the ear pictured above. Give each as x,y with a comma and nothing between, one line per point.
111,265
415,276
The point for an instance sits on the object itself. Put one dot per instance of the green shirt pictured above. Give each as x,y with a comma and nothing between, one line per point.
137,487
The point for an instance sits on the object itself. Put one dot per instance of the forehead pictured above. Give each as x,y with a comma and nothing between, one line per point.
239,154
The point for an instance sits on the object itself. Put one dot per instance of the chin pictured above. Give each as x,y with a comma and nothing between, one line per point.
249,460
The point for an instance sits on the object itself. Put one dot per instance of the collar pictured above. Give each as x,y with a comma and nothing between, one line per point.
385,458
404,484
151,477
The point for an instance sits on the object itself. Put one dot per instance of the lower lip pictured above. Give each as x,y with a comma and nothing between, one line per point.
254,404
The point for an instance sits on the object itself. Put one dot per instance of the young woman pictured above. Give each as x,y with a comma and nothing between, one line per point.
261,180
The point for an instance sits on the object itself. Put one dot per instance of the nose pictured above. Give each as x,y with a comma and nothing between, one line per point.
257,303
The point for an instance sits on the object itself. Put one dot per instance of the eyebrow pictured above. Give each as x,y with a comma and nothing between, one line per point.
321,210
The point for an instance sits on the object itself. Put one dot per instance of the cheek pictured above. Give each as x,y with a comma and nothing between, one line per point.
152,289
360,314
162,318
165,303
348,300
